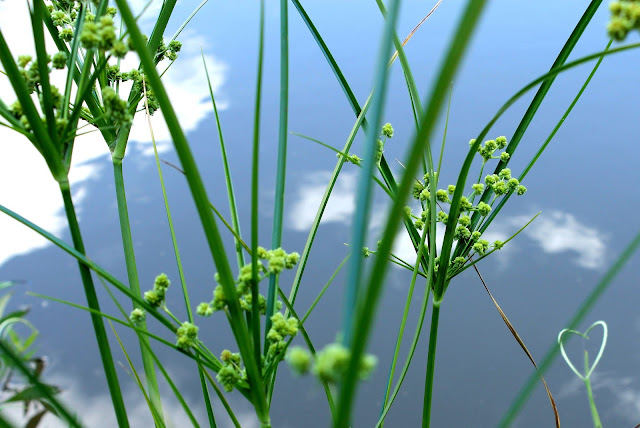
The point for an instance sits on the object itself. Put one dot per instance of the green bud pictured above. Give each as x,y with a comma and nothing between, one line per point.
299,360
464,220
417,189
505,174
204,309
59,60
504,156
442,196
262,253
502,142
491,145
500,188
483,208
498,245
451,189
492,179
153,298
174,46
462,232
465,205
137,316
443,217
387,130
478,188
291,260
521,190
331,362
367,366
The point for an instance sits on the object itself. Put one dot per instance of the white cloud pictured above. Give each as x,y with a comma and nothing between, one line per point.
557,232
27,185
339,209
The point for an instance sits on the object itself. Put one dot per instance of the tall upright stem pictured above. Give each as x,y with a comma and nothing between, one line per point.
134,283
431,362
92,302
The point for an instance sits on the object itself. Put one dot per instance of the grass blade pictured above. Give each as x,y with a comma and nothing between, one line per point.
364,191
157,418
255,308
227,173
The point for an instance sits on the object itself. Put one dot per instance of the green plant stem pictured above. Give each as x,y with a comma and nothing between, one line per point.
278,208
134,283
592,404
431,362
92,301
253,318
364,192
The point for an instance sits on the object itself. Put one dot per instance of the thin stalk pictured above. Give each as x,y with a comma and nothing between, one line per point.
278,208
403,322
255,309
364,192
592,404
227,174
431,362
183,282
92,301
134,284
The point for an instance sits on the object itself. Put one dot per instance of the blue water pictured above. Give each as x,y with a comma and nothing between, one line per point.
584,186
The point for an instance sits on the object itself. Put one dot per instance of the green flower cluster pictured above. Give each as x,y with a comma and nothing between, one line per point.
277,260
29,69
625,16
231,372
330,364
155,296
187,335
115,108
281,327
100,33
387,132
468,237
